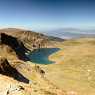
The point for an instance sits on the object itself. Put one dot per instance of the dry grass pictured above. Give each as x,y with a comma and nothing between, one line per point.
75,66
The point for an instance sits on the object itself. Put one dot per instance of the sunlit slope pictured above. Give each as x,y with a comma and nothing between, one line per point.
75,66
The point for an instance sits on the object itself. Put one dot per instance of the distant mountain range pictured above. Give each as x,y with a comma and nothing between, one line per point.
68,33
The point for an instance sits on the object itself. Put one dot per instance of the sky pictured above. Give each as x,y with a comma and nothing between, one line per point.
47,14
79,13
34,14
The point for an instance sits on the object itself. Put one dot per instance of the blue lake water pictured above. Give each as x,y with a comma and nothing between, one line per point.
40,56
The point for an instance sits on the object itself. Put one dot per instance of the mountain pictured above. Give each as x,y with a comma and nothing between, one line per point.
31,39
72,71
17,71
68,33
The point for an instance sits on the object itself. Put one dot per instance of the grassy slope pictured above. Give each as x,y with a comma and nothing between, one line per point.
75,66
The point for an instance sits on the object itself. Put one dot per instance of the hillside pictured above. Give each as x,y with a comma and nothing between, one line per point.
74,70
18,73
74,66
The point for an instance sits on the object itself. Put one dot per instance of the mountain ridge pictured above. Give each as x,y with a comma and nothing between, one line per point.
31,39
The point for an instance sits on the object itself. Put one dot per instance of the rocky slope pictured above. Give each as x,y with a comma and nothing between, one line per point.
29,38
16,73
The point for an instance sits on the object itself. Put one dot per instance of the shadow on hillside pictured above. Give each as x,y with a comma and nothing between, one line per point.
16,45
8,70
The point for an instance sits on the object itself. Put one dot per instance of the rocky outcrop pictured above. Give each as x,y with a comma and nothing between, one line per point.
16,45
31,40
8,70
9,86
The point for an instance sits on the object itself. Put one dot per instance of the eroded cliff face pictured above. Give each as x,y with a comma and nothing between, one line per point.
12,44
30,39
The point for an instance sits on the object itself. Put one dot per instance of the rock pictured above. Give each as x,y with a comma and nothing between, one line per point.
8,70
40,71
15,45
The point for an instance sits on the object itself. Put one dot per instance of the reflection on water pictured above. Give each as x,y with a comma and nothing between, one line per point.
40,56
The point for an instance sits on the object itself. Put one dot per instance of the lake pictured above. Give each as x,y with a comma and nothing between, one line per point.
40,56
